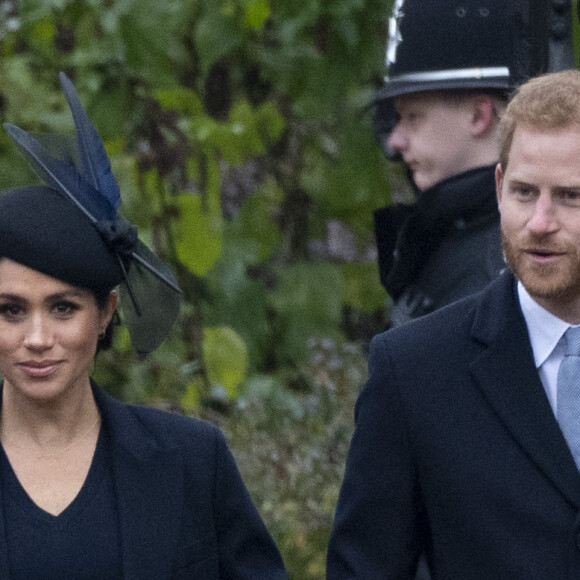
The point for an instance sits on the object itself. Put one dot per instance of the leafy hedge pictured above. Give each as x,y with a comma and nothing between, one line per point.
239,134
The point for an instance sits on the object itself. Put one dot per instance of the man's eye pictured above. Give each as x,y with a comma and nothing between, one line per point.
569,197
522,191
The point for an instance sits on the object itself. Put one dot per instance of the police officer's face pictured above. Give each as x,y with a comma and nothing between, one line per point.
539,202
433,136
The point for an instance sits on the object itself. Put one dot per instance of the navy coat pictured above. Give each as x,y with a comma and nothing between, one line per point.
184,512
457,452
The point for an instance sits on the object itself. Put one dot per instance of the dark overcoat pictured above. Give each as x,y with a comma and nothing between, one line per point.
443,248
457,452
184,512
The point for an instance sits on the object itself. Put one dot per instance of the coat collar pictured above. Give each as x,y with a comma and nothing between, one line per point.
507,376
407,236
149,485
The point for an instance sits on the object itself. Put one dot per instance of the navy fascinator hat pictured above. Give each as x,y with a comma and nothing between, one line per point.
70,228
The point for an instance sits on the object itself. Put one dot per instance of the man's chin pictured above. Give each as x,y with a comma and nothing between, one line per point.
422,182
550,287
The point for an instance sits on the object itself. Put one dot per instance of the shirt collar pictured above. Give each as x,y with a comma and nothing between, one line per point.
545,329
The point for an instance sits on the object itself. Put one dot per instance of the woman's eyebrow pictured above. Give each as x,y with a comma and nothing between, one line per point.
10,296
66,294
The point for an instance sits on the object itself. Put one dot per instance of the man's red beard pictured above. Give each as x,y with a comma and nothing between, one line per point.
560,280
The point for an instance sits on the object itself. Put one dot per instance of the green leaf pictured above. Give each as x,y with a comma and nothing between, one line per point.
362,288
312,289
215,36
191,400
238,300
43,31
180,99
198,234
147,45
110,110
307,301
270,121
244,128
347,176
122,339
256,13
225,356
255,220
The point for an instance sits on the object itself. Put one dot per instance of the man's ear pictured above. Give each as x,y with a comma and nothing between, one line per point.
483,114
498,182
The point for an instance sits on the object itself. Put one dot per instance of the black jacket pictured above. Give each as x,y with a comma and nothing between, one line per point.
444,247
184,512
457,452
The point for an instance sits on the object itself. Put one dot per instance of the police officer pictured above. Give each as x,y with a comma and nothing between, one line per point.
452,65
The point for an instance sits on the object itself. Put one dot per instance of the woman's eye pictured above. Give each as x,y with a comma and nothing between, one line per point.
65,308
10,311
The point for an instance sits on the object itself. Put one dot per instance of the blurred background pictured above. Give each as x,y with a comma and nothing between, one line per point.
241,136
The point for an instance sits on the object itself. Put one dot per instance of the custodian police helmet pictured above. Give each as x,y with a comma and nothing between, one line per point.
455,44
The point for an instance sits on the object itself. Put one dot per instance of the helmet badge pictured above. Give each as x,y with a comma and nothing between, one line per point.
395,36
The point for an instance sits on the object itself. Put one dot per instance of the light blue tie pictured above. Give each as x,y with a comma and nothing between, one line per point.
568,413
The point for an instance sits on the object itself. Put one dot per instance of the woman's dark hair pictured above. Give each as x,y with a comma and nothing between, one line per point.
106,339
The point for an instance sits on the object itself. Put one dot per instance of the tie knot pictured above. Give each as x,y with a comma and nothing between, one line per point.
573,341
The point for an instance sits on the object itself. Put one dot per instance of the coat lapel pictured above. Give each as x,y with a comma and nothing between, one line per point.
4,569
149,484
506,374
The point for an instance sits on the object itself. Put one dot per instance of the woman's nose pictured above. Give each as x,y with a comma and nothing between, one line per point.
39,334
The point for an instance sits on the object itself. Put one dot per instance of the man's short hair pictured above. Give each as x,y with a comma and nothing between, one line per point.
549,101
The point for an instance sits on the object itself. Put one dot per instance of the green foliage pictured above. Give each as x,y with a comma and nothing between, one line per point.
237,130
291,444
198,233
226,356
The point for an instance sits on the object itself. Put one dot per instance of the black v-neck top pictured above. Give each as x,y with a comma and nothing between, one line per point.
83,541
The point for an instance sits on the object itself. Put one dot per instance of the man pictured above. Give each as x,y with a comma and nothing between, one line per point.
468,430
452,64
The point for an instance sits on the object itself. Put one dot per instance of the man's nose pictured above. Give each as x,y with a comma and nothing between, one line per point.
543,219
398,138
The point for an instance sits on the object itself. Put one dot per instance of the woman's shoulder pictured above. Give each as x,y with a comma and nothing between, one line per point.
166,428
172,421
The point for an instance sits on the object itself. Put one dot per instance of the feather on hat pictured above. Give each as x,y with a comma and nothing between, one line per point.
148,291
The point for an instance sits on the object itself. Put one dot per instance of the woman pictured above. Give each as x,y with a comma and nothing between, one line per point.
91,488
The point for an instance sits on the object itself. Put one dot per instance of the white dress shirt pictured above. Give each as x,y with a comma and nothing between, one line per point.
546,332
